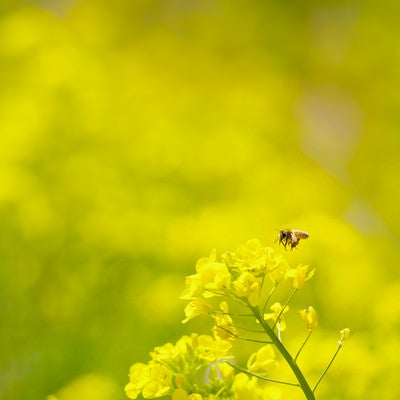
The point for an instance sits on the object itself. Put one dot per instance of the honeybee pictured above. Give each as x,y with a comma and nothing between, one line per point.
291,237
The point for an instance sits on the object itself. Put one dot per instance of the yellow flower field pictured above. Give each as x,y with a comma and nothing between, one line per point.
138,136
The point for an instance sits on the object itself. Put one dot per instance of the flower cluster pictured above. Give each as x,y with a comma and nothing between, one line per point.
240,284
242,275
195,368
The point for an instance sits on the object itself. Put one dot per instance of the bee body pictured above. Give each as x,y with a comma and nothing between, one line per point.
300,234
291,237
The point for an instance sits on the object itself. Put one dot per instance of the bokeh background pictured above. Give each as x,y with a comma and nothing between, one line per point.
135,136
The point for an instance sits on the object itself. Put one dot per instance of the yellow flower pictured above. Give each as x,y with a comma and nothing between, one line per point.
262,361
248,286
172,369
164,353
246,388
194,287
300,275
152,380
251,257
276,266
277,312
211,278
309,316
138,377
223,327
160,382
181,394
215,276
185,345
196,307
344,335
211,349
225,370
195,396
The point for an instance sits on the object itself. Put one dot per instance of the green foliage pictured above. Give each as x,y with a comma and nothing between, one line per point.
139,134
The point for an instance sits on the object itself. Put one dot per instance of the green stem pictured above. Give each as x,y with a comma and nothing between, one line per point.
236,336
328,366
284,307
305,387
304,343
243,328
264,378
232,314
269,297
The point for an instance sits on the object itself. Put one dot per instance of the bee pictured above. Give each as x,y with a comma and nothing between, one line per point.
291,237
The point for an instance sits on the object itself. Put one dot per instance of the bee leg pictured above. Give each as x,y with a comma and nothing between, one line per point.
295,243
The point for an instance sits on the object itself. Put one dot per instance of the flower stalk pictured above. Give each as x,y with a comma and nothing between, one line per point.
305,387
344,335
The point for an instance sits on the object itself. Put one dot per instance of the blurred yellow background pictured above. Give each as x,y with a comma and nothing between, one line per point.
135,136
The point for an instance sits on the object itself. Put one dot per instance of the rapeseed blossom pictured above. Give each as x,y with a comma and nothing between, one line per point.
196,307
175,368
277,315
224,327
309,316
238,285
300,275
262,361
